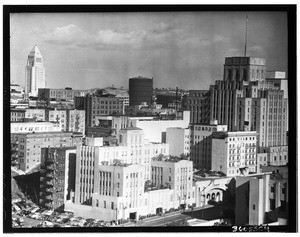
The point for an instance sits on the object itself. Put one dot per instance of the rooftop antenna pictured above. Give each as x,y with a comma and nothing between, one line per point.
246,35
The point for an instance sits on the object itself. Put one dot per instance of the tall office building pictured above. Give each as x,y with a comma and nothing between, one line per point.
247,101
34,72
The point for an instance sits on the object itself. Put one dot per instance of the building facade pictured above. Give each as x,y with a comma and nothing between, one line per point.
57,180
234,153
248,101
176,174
178,140
36,114
35,77
154,128
27,146
197,102
261,199
96,106
16,93
201,144
57,116
67,94
33,127
17,115
75,121
213,190
132,149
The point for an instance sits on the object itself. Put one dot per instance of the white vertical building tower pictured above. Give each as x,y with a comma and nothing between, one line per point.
34,72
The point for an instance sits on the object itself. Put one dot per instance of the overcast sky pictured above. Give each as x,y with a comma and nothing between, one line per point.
185,49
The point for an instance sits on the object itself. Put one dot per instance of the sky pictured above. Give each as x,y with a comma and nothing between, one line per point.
184,49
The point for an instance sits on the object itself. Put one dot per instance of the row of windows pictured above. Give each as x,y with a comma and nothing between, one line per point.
237,165
30,129
17,114
105,102
242,139
238,157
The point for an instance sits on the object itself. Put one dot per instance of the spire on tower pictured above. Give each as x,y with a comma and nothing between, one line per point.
245,51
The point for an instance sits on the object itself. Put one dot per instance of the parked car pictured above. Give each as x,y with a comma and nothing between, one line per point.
34,210
46,224
20,220
15,224
16,208
36,216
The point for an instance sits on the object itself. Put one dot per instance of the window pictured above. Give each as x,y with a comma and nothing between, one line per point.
118,185
283,190
112,205
272,204
97,203
272,189
282,205
104,204
253,207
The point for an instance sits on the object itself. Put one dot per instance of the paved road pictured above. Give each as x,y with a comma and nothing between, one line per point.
208,212
160,220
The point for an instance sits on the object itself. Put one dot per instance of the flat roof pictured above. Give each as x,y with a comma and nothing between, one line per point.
40,134
62,148
131,128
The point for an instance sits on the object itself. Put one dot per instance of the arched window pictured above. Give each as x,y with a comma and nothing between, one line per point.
213,196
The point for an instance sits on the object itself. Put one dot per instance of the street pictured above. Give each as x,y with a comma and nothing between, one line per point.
205,213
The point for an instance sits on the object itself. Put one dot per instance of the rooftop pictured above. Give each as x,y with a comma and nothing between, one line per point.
173,159
64,148
139,77
41,134
131,128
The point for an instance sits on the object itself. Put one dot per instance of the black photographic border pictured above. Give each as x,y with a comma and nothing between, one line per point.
292,85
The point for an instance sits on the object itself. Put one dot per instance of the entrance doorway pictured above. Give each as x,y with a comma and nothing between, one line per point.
159,210
132,216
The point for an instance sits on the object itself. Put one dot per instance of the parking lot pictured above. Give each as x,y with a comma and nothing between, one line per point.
28,215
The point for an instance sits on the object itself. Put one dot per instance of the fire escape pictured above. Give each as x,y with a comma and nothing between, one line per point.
49,180
14,153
